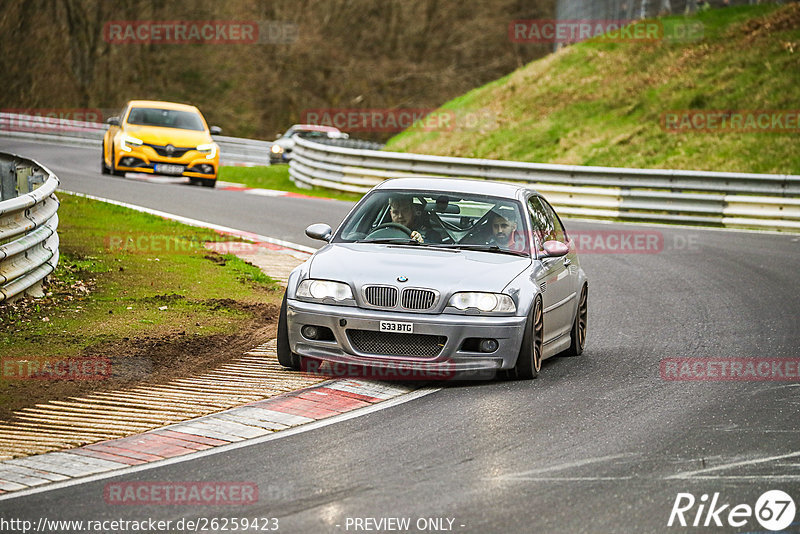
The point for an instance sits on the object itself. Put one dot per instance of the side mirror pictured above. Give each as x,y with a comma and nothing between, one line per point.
113,121
215,130
555,249
319,231
278,136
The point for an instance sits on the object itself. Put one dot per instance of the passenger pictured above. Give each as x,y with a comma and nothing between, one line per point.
404,212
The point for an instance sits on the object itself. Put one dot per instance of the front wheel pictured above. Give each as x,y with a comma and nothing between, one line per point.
103,166
529,361
208,182
114,169
285,355
577,336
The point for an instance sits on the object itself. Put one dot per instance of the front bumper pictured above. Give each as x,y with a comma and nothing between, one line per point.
507,331
146,159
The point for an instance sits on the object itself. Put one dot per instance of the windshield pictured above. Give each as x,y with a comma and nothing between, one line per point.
314,134
166,118
437,219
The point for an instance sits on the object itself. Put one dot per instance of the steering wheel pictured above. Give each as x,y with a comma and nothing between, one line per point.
389,230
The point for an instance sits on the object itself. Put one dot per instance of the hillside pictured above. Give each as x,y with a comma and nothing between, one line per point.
601,103
61,56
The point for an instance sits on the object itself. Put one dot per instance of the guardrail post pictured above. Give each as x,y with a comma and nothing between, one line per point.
8,180
23,180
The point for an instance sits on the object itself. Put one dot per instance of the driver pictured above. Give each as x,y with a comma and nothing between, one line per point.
403,212
504,233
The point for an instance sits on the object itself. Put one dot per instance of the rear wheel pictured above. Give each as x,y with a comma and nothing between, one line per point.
529,361
285,355
577,336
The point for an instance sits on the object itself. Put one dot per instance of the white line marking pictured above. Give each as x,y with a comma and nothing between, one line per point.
225,448
197,223
560,467
690,474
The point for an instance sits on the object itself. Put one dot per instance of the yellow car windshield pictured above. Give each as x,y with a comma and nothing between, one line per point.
166,118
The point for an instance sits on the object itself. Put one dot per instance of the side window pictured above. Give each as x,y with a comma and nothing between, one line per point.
559,234
541,224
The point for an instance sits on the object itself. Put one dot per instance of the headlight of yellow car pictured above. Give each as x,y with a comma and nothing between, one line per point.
209,149
129,141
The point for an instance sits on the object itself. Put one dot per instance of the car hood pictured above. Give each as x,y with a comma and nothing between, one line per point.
441,269
162,136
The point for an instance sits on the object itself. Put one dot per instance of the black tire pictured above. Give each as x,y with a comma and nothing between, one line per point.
208,182
114,170
285,355
529,361
578,334
103,166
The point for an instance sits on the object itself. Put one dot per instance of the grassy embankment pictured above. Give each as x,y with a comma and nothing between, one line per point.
135,287
602,103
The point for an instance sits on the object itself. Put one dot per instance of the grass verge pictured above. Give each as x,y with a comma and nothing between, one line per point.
137,291
276,177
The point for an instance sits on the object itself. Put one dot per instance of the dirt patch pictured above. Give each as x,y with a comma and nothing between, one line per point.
152,359
787,18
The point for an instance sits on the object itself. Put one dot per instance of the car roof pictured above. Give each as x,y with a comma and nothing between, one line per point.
157,104
314,128
460,185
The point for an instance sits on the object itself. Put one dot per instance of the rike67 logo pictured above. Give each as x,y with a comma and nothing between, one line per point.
774,510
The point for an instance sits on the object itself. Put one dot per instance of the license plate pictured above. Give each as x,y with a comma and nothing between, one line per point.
169,169
391,326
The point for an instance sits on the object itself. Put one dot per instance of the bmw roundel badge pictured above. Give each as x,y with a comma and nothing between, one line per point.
402,279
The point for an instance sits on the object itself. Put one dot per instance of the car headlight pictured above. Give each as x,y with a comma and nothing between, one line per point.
128,141
209,149
324,289
276,149
485,302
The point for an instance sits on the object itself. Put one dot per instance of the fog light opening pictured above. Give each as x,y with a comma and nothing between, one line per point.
310,332
488,345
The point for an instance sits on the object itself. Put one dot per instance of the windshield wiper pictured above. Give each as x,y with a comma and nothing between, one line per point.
482,248
394,240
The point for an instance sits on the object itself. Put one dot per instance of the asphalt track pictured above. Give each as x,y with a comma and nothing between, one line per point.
598,443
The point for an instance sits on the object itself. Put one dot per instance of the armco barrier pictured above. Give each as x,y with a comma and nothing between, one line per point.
232,150
725,199
28,223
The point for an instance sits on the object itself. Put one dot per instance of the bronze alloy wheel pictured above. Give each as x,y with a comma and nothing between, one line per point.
578,333
529,360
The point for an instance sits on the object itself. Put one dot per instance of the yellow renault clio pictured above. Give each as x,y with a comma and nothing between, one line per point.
161,138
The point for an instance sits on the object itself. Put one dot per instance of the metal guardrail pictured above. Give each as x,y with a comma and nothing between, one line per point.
725,199
233,150
28,223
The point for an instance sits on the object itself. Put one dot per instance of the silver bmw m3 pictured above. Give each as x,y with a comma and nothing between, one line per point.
442,276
